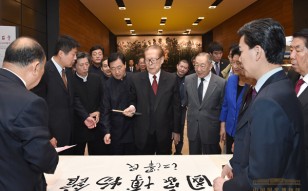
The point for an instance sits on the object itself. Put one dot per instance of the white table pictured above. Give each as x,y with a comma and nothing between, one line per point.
127,173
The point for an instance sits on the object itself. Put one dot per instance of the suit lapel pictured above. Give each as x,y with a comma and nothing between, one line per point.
303,98
146,84
194,89
56,75
209,91
161,86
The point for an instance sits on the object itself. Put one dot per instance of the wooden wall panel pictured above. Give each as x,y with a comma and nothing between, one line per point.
11,11
280,10
28,15
36,5
77,21
33,19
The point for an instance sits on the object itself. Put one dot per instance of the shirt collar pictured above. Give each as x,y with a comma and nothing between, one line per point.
157,75
23,81
57,65
83,78
266,76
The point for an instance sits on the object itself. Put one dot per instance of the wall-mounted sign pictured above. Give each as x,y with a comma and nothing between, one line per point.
7,35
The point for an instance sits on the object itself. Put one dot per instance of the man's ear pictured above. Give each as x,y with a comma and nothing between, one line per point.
35,67
258,51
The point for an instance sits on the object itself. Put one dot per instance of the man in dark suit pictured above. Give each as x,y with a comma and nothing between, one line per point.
97,55
219,64
57,89
205,93
131,67
26,152
268,144
299,61
88,88
118,128
155,94
182,69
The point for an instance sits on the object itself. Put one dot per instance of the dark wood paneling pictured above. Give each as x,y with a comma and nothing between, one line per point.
33,19
11,11
77,21
300,14
39,36
36,5
226,33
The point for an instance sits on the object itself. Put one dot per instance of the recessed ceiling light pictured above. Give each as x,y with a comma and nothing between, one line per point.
215,4
187,31
198,20
121,5
128,22
168,4
132,32
163,20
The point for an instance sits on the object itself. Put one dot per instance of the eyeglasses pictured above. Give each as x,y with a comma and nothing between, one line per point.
152,60
116,68
200,65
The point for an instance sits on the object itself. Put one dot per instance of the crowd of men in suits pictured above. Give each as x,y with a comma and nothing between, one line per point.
83,99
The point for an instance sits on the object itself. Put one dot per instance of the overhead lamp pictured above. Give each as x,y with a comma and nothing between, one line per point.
160,31
128,22
132,32
198,20
215,4
121,5
163,20
187,31
168,4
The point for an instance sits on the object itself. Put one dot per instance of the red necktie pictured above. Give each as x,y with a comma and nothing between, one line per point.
299,83
154,85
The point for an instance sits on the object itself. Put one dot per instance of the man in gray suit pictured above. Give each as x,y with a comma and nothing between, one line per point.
205,93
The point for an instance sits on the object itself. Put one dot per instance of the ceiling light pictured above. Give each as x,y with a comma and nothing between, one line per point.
128,22
121,5
160,31
168,4
163,20
198,20
132,32
187,31
215,4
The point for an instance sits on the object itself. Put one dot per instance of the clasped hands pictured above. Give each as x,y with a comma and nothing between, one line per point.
92,120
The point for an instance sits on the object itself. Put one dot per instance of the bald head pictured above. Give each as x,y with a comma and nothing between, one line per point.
23,51
26,58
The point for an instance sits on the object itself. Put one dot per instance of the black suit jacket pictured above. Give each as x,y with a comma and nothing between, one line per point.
223,64
303,98
60,102
116,97
128,69
90,95
269,138
26,152
166,109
